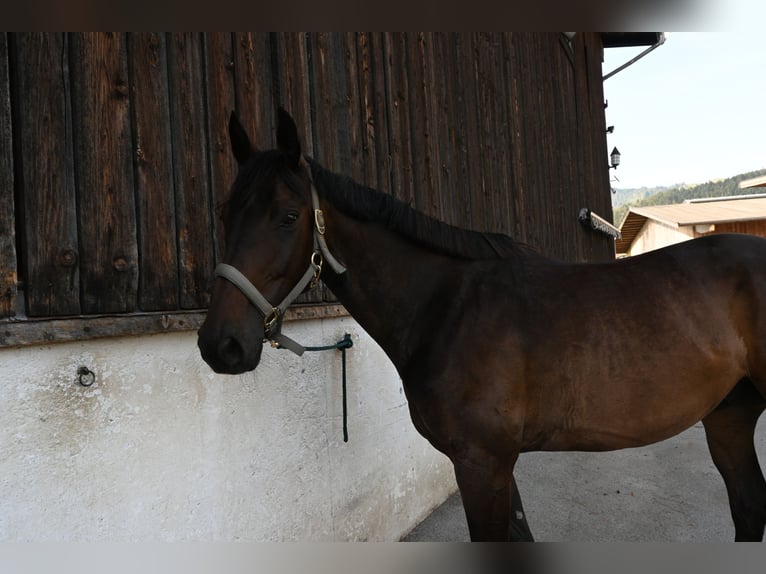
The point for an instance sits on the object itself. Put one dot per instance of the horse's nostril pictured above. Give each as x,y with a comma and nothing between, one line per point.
230,352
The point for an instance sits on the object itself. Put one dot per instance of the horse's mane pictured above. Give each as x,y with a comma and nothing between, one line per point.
367,204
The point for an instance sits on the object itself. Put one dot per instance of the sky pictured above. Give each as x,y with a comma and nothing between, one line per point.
691,111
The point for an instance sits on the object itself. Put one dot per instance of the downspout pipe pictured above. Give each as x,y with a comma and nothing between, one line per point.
659,43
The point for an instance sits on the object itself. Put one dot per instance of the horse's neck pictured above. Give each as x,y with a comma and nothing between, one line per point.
387,284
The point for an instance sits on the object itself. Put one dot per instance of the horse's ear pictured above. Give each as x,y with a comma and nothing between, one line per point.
287,137
240,142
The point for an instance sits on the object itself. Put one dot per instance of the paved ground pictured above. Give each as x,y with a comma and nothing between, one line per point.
668,492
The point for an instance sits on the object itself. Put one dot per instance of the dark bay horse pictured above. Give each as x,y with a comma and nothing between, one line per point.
501,350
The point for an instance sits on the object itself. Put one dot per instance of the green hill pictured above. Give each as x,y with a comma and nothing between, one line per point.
632,195
680,193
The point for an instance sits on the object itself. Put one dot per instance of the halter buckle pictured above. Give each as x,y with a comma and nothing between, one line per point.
319,221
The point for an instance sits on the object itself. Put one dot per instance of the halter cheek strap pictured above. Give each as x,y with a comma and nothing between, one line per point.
272,314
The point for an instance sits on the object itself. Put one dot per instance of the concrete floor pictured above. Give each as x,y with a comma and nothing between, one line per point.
667,492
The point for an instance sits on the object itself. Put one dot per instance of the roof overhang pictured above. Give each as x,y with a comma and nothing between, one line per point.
755,182
629,39
629,230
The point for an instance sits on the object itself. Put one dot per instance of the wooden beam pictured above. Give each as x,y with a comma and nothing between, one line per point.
36,332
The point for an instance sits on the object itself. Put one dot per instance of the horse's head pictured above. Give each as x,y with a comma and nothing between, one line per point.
268,222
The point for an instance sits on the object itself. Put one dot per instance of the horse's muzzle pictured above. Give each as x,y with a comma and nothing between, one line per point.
228,355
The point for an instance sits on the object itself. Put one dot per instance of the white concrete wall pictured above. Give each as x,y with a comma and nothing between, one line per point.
161,448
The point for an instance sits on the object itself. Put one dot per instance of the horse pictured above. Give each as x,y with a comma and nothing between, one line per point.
502,350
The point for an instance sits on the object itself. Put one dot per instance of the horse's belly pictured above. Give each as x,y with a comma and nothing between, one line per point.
637,410
607,438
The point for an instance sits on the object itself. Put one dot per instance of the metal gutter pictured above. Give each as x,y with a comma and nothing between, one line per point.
660,42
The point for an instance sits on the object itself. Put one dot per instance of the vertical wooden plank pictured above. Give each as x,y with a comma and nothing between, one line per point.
402,185
487,55
503,191
521,192
550,210
254,86
515,167
293,84
567,190
221,98
190,168
528,111
434,77
368,111
498,193
527,107
45,167
443,126
352,103
332,140
514,192
568,193
475,133
458,118
420,101
8,272
483,90
553,217
571,185
104,173
373,57
336,104
158,280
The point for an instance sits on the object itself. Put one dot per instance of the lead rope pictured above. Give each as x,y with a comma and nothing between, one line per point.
342,345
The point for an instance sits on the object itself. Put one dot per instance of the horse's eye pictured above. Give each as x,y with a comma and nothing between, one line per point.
290,218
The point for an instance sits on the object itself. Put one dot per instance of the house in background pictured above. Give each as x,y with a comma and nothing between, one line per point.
652,227
754,182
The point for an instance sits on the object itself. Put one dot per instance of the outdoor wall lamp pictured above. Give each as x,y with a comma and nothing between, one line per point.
614,158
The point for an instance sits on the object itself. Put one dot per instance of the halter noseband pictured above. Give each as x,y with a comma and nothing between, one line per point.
272,314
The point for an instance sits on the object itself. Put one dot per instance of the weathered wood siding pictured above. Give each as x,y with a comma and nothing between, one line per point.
757,227
8,277
115,151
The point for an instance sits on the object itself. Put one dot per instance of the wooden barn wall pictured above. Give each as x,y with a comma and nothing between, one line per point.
756,227
115,148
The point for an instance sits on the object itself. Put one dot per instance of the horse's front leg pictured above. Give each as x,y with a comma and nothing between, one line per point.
492,504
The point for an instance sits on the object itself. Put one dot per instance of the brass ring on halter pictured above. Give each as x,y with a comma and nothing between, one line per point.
317,261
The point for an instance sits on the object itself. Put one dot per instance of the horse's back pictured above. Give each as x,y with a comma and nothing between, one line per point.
723,248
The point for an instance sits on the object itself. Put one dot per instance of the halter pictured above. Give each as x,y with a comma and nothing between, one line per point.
272,314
